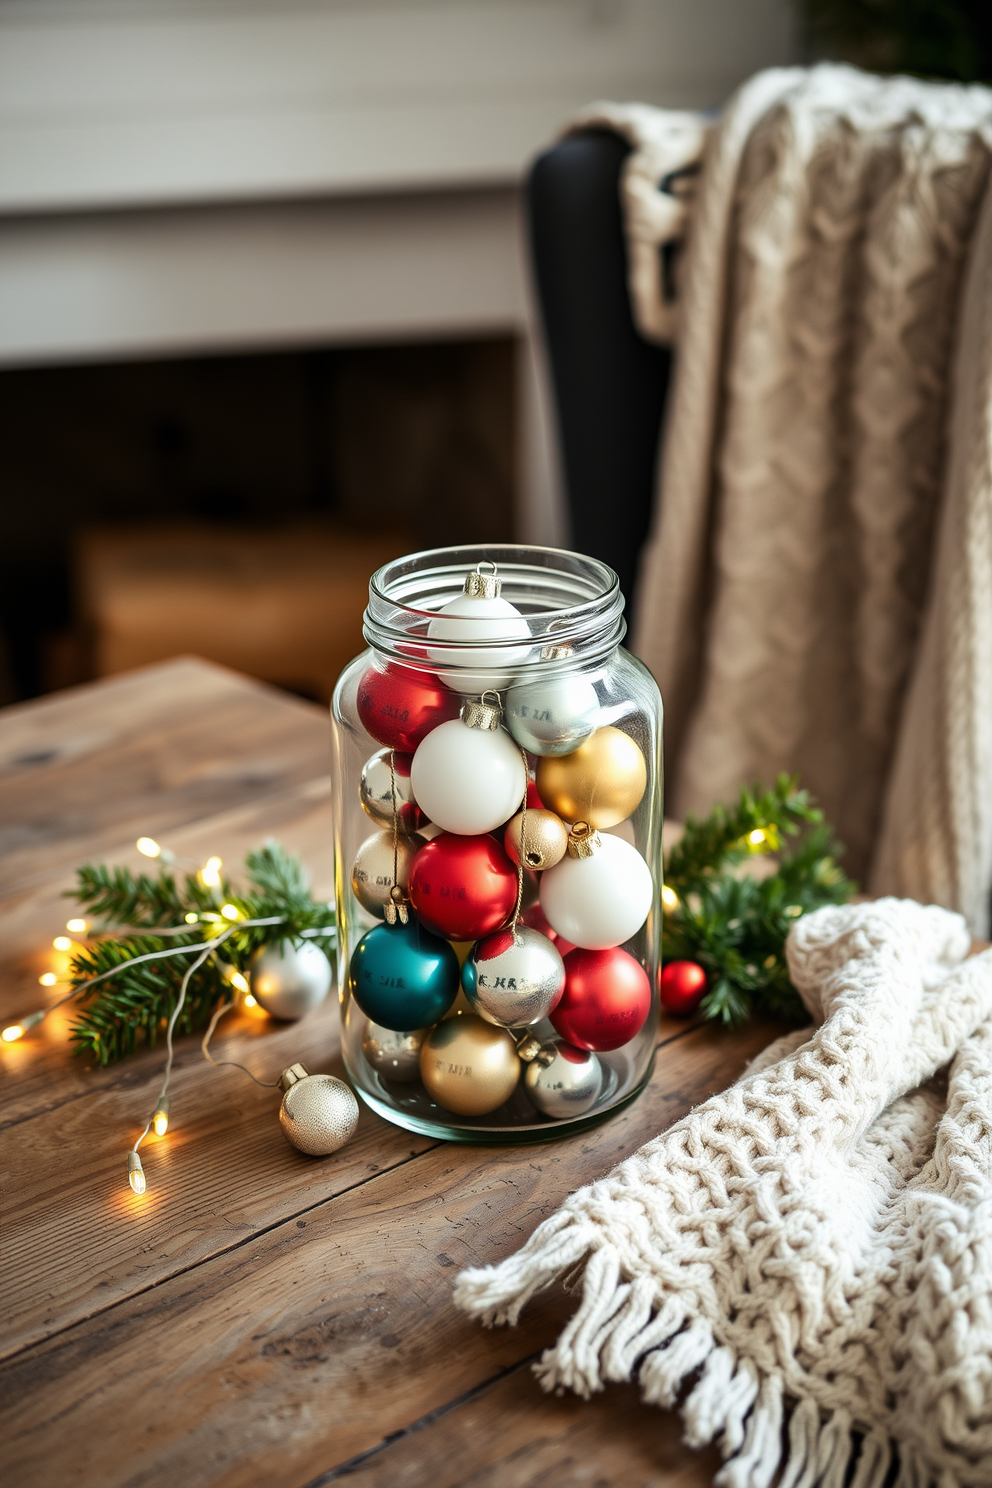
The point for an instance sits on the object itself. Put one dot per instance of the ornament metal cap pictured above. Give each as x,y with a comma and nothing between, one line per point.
530,1048
583,841
397,908
482,586
482,715
293,1075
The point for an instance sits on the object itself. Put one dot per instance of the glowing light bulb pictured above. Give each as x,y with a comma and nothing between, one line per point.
149,847
240,982
191,918
209,874
250,1001
48,979
669,898
13,1033
757,837
230,911
135,1173
160,1118
78,927
62,943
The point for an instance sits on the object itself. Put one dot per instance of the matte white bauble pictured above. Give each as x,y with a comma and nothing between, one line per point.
599,900
287,980
468,780
475,618
552,717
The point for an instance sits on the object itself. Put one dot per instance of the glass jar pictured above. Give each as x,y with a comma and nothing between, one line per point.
464,909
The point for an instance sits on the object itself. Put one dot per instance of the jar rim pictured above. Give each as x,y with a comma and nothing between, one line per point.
565,597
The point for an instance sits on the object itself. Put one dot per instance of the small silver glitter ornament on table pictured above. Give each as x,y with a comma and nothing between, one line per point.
394,1056
372,874
319,1113
287,980
514,977
385,776
555,715
563,1081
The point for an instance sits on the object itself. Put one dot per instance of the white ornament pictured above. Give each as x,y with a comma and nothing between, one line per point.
478,615
468,775
552,717
287,980
600,893
319,1113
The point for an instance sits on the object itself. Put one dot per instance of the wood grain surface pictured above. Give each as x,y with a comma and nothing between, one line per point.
258,1317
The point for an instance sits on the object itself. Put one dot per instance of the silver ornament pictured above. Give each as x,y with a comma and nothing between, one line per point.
514,977
386,769
395,1056
552,717
372,871
287,980
568,1085
319,1113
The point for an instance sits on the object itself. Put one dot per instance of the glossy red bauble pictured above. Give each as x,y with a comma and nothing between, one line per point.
682,988
399,705
536,919
606,1000
463,887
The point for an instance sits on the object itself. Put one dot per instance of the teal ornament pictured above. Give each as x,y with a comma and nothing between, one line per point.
403,977
552,717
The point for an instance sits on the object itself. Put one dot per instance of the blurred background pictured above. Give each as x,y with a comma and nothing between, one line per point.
265,312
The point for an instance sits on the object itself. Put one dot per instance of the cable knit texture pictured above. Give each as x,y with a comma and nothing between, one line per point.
817,595
807,1257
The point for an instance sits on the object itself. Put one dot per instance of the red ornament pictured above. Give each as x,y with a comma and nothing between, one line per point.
399,705
536,919
606,1000
463,887
534,802
682,987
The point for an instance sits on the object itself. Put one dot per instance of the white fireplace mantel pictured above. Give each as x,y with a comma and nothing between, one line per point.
198,175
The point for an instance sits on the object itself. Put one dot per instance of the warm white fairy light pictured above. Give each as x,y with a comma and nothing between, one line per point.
249,1001
230,911
209,874
758,837
148,847
78,927
191,918
62,943
160,1117
48,979
135,1172
241,984
669,898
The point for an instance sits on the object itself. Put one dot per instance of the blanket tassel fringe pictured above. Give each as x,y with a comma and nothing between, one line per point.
617,1334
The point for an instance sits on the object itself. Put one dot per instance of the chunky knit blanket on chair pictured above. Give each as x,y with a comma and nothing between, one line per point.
806,1259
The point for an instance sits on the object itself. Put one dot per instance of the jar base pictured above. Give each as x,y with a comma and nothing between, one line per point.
546,1130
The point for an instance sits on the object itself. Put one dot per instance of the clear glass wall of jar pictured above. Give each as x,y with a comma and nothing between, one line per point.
545,685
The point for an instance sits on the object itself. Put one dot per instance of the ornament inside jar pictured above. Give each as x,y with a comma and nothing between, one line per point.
601,782
481,616
462,887
563,1081
556,712
468,775
537,839
392,1053
399,705
514,978
606,1001
469,1066
382,862
387,794
600,894
402,976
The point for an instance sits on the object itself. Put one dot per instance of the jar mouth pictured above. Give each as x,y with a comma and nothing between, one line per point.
567,600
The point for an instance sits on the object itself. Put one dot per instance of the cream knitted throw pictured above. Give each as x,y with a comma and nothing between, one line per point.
817,596
809,1253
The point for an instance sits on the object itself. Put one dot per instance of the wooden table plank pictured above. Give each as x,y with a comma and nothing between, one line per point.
147,752
307,1346
508,1434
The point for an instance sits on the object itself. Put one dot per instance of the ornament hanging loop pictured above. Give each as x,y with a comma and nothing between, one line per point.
482,715
479,585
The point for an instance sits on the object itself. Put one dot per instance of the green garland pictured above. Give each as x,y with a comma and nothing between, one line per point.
137,1002
734,925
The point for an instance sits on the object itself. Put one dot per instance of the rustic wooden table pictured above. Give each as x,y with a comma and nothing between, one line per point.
258,1317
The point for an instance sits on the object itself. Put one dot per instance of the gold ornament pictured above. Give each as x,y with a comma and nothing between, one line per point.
601,782
469,1066
372,872
545,838
319,1113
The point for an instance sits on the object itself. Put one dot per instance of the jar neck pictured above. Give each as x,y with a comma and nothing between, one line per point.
572,606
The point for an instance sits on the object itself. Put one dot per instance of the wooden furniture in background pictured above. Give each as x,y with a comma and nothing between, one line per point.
258,1317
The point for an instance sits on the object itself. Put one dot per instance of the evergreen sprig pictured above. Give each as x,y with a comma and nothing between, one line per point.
733,924
136,1002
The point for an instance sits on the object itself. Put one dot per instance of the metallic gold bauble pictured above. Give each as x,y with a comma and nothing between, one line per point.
319,1113
385,782
372,871
395,1056
469,1066
287,980
545,839
601,782
563,1081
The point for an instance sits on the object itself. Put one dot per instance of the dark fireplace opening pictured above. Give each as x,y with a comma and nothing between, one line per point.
234,504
